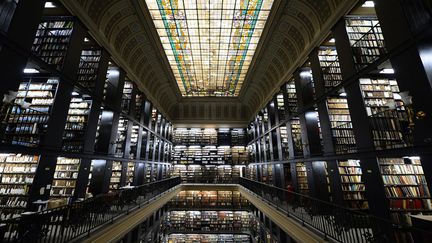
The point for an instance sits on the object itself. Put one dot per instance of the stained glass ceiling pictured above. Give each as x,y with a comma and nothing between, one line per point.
209,43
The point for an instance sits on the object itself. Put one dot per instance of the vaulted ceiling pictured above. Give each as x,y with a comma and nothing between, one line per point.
125,29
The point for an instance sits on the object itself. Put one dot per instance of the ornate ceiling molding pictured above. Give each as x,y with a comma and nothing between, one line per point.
125,29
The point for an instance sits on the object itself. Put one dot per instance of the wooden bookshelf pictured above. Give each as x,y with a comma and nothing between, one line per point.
302,181
297,139
388,117
116,174
133,142
366,39
281,106
238,137
208,199
28,117
208,221
239,155
121,136
130,173
127,96
353,187
76,123
207,173
52,41
65,176
406,187
139,102
292,96
209,155
148,173
342,129
16,176
88,68
208,238
329,62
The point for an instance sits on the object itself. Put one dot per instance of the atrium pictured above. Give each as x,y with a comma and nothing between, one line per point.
208,121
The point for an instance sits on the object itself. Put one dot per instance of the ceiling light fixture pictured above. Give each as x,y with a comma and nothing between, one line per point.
387,71
368,4
31,70
50,5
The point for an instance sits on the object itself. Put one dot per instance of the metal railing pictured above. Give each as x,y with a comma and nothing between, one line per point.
332,221
81,218
222,179
369,47
183,203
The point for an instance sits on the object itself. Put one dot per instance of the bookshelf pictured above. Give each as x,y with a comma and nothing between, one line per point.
280,106
353,187
302,181
134,141
238,137
207,173
329,63
16,176
153,119
116,174
388,118
223,137
28,117
239,155
207,238
139,101
342,130
154,172
284,142
208,199
127,96
296,134
130,173
292,96
265,119
76,123
267,176
65,176
121,136
209,155
406,187
88,68
208,221
366,39
52,40
251,152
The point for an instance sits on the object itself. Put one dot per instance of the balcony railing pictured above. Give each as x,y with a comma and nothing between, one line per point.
332,221
70,222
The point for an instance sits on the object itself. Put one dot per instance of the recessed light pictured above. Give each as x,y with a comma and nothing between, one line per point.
30,70
387,71
50,5
332,40
368,4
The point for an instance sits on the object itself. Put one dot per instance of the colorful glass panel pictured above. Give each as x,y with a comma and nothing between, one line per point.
209,44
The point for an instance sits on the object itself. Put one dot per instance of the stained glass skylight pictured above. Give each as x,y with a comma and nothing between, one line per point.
209,43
